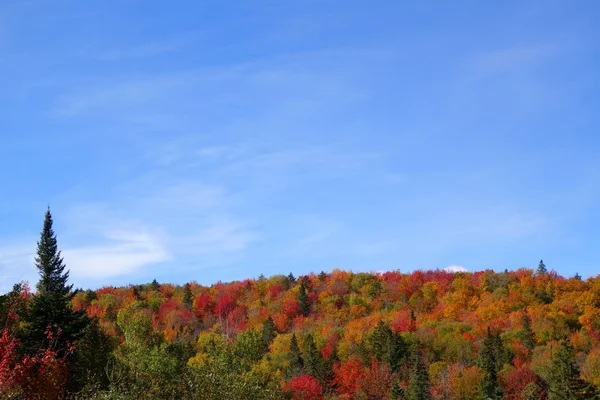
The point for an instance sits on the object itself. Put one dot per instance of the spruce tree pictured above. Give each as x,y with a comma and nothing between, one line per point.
154,285
269,331
565,382
296,363
541,270
313,361
489,361
388,346
303,299
527,335
396,392
51,311
188,297
418,384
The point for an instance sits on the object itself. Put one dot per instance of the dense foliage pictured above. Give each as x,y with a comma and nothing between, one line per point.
425,335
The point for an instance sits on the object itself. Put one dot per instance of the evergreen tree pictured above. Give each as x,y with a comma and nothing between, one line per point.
565,382
577,276
396,392
303,299
328,368
418,384
388,347
541,270
154,285
313,361
489,360
269,332
188,297
295,357
322,276
527,336
51,310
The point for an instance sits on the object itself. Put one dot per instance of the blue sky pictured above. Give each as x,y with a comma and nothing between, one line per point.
220,140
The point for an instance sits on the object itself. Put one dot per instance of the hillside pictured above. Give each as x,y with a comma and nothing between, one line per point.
345,335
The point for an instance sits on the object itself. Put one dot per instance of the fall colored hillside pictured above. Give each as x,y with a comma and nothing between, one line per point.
352,335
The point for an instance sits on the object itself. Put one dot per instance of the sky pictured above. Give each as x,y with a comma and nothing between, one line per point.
212,140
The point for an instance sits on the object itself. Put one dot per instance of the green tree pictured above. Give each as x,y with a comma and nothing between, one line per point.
527,335
248,348
296,363
396,392
188,297
490,357
313,361
90,359
541,269
564,379
418,384
51,309
388,346
154,285
303,298
269,332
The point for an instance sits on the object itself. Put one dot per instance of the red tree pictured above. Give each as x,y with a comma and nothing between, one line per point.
304,387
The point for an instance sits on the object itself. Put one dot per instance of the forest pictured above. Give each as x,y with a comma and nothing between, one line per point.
520,335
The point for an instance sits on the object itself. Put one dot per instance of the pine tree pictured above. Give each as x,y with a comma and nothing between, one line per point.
313,361
388,346
322,276
303,299
541,270
154,285
188,297
418,384
51,309
296,365
577,276
527,336
489,361
565,382
396,392
328,368
269,332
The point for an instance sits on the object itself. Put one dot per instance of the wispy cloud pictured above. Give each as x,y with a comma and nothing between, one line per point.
124,254
147,222
17,264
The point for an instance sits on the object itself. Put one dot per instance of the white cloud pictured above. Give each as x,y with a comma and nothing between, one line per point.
17,264
455,268
126,253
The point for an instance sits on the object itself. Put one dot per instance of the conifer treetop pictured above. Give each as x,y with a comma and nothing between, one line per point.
50,265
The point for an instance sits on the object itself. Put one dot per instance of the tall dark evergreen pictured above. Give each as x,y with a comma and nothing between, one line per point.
396,392
269,331
51,310
565,381
418,384
188,297
542,268
296,363
388,346
303,299
313,361
490,358
527,335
